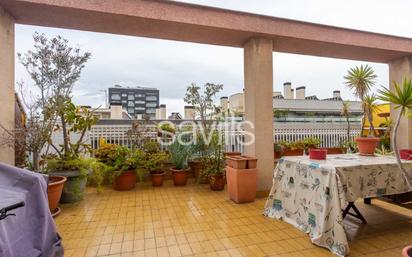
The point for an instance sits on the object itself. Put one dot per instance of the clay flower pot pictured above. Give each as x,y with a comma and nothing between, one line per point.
367,145
336,150
196,167
54,192
251,162
180,176
241,184
236,162
405,154
294,152
318,154
217,182
232,154
157,179
126,181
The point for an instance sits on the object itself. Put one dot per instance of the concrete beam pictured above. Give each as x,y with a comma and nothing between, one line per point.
258,76
398,70
7,100
194,23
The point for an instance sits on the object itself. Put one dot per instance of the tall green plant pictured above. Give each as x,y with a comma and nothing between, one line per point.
370,107
346,113
180,154
361,80
401,98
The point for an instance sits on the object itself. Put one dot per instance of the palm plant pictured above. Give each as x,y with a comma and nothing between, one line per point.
370,107
360,80
401,98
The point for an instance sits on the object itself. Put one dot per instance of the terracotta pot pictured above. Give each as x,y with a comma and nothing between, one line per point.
196,167
237,162
126,181
277,155
405,154
241,184
294,152
318,154
54,191
157,179
336,150
217,182
367,145
180,176
407,251
232,154
74,187
251,162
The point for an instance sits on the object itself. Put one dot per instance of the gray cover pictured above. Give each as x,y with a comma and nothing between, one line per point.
32,232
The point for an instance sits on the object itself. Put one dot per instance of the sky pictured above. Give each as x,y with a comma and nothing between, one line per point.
171,66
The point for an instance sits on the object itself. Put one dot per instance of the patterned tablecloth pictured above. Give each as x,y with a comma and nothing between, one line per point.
311,194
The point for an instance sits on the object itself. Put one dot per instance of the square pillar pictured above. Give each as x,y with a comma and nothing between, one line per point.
7,97
398,70
258,76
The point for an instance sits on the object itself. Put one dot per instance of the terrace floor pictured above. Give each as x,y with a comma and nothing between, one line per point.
195,221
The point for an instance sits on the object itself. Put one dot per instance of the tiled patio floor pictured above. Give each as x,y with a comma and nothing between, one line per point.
194,221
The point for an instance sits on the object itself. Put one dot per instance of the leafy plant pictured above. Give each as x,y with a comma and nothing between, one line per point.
311,142
180,154
361,80
293,145
214,162
370,107
154,159
401,98
106,153
168,127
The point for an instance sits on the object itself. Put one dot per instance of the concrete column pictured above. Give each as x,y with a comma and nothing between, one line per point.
398,70
258,76
7,97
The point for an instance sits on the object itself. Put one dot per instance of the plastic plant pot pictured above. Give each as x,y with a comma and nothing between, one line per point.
405,154
318,154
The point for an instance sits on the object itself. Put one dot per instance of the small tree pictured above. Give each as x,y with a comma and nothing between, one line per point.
361,80
203,102
370,107
346,113
401,98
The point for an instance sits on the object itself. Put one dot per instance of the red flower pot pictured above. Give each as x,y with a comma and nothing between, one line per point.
405,154
407,251
367,145
54,191
157,179
126,181
294,152
318,154
180,176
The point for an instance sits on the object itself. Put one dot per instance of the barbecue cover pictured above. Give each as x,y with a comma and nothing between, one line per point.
32,232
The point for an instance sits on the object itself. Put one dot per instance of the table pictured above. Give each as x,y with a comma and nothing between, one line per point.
311,194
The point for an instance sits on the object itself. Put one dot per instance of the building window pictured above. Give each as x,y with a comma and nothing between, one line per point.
124,94
130,103
150,110
139,95
139,102
130,97
130,110
139,108
115,97
124,101
151,104
151,98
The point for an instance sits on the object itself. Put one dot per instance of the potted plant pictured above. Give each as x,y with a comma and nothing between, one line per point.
54,192
309,143
214,164
67,160
179,155
124,172
361,79
401,98
154,161
166,130
292,148
277,148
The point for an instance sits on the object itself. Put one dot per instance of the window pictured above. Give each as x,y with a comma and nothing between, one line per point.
130,97
139,102
139,108
115,97
130,110
130,103
124,102
124,94
151,98
151,104
139,95
151,110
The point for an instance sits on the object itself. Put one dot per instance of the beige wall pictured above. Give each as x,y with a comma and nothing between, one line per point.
258,76
7,97
399,69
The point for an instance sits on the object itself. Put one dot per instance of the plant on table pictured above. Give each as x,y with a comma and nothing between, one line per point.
180,153
310,142
361,80
401,98
295,148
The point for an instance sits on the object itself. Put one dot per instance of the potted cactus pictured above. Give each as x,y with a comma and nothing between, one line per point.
179,155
